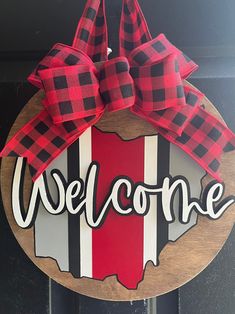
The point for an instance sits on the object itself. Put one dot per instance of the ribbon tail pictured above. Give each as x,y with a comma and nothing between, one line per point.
206,148
40,141
205,139
202,136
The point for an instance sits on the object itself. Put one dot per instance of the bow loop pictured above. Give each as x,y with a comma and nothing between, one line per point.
116,84
71,92
159,85
158,49
59,56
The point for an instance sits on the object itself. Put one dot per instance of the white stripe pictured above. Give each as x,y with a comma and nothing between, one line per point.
85,158
150,220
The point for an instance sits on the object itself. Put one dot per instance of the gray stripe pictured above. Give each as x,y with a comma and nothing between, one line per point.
51,232
183,164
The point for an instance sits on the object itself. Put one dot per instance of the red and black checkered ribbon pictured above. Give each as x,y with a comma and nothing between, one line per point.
91,35
147,79
133,28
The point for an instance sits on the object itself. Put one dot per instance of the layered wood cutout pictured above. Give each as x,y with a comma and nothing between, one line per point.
124,245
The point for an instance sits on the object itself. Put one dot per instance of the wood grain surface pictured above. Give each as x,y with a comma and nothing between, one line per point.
179,262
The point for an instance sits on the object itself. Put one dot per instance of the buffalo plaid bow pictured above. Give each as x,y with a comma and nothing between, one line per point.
147,79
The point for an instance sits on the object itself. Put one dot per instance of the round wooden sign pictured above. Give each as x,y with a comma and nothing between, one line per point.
166,263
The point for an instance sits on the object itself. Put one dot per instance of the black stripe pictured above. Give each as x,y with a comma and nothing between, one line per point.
74,220
163,171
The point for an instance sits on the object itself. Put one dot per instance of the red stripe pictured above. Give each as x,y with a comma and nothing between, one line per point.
118,244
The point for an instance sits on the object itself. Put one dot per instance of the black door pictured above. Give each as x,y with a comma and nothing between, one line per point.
205,30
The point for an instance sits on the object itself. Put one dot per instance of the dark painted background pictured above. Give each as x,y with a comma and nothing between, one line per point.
205,30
